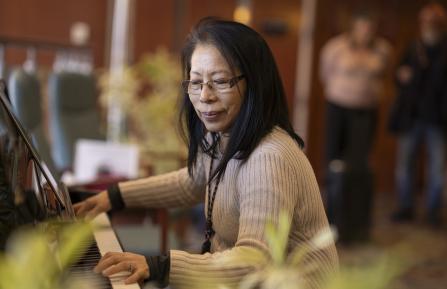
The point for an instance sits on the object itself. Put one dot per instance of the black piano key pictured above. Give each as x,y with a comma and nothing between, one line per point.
83,268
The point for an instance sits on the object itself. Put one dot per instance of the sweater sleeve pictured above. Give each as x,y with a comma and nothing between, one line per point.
175,189
266,187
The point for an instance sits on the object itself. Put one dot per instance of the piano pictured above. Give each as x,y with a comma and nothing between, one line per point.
29,194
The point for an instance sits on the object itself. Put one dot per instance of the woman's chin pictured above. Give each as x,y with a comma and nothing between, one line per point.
215,127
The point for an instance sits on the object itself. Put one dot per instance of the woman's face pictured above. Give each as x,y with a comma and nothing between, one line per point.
217,109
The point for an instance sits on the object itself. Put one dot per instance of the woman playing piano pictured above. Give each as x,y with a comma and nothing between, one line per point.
245,162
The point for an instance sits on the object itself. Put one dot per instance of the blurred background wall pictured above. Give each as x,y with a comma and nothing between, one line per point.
50,21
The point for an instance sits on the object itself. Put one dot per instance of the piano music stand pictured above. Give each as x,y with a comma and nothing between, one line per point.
59,189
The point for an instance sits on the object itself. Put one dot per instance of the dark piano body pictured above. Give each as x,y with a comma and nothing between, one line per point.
29,194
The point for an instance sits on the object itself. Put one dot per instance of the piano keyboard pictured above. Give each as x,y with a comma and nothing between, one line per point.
105,241
83,269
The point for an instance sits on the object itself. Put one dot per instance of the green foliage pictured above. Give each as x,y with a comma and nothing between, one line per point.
277,239
118,87
155,115
378,275
36,258
148,92
289,272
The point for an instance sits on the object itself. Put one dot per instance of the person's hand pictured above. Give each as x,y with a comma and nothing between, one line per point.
93,206
114,262
404,74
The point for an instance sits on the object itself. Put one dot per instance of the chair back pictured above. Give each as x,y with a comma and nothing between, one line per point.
74,114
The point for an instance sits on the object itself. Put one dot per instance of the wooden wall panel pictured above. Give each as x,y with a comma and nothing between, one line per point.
283,46
50,20
154,25
166,23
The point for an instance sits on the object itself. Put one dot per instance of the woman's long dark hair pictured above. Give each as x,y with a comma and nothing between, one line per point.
264,105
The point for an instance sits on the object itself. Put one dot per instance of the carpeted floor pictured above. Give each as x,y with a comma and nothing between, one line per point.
422,248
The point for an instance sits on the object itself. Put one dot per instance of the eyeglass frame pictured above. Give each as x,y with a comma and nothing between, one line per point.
232,82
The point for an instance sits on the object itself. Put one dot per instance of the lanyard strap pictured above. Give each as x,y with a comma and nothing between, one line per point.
209,231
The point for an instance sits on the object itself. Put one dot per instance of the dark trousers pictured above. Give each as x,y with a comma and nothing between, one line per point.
349,134
349,186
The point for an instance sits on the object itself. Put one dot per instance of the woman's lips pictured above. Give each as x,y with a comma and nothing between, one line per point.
211,115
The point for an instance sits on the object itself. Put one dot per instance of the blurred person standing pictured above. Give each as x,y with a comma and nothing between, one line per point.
353,69
419,114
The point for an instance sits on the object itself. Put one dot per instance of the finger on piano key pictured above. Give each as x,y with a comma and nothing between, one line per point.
107,241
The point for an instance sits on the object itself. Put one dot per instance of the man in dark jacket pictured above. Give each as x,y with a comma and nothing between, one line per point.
419,114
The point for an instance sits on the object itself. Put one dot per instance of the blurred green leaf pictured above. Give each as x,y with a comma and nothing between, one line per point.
321,240
36,257
277,236
244,256
377,275
74,241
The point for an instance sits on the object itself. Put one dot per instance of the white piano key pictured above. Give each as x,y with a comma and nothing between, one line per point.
107,242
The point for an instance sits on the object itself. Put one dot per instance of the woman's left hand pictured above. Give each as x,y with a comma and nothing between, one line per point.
114,262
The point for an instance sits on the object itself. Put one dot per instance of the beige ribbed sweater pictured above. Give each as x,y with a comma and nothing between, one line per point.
276,177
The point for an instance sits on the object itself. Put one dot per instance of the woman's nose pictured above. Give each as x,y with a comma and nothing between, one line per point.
207,93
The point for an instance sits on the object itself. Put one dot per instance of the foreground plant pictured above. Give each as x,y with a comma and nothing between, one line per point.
281,271
37,258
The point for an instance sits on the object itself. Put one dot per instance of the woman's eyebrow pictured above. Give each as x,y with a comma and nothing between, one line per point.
212,73
219,71
195,72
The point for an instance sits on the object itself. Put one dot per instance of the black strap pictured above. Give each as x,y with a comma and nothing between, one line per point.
115,197
209,231
159,267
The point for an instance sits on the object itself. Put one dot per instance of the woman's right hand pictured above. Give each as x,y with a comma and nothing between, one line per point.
93,206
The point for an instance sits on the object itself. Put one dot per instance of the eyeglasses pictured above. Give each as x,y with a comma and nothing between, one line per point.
194,87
